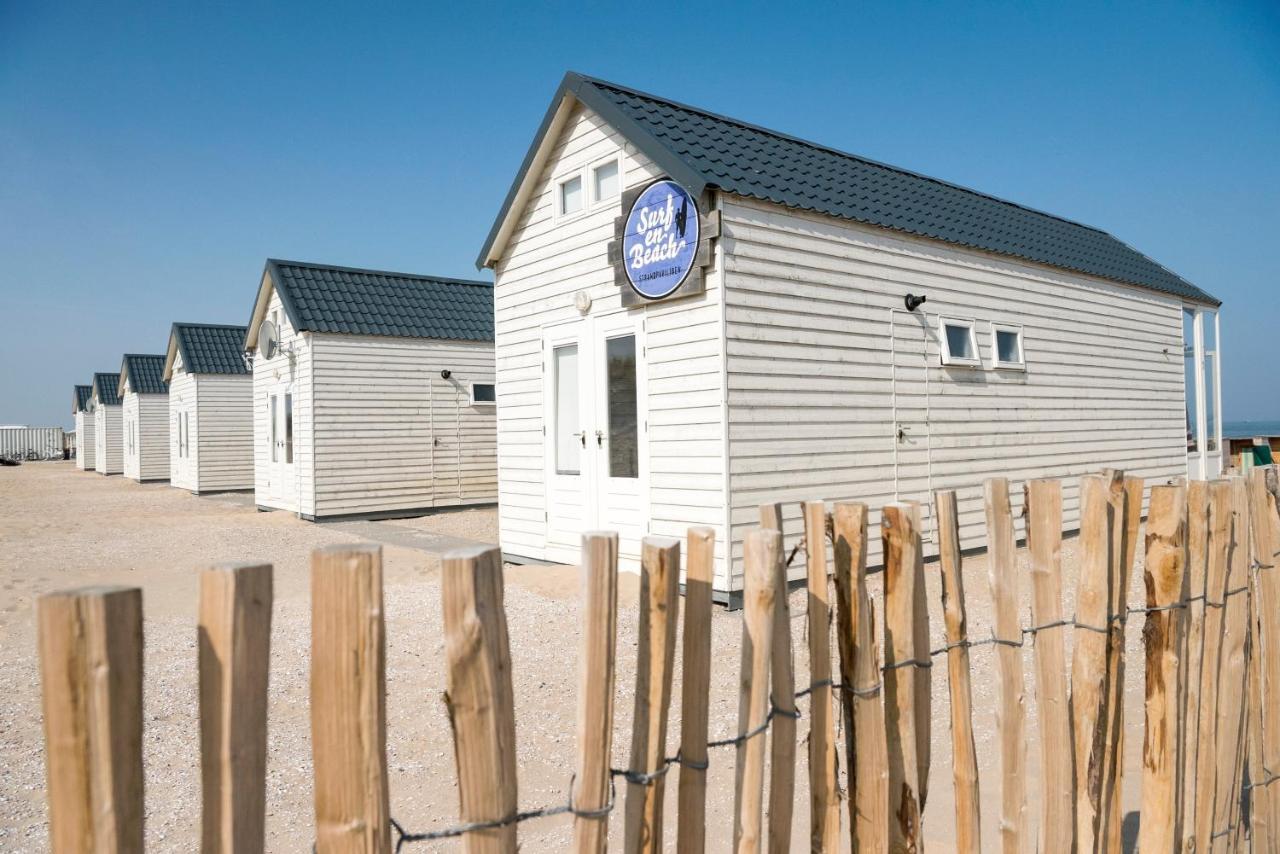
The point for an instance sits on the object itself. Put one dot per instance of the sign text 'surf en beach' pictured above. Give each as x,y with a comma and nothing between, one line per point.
661,239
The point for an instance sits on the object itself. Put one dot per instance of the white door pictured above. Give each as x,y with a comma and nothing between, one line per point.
596,465
280,415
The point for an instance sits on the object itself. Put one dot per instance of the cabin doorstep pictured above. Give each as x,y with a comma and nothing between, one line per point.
695,315
373,392
210,408
80,397
104,404
144,410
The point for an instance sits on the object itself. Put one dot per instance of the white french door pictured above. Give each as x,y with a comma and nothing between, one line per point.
280,414
596,460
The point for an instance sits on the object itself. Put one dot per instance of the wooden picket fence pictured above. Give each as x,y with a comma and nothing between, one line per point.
1212,702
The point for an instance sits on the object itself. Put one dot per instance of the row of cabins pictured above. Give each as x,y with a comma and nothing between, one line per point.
691,315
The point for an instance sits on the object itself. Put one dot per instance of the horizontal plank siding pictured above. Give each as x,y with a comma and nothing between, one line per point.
825,366
547,261
221,441
183,461
289,371
109,451
86,441
146,436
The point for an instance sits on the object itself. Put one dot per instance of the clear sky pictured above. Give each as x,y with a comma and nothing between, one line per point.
152,155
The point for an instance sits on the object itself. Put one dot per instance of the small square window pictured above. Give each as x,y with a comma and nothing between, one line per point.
605,180
959,345
571,195
1007,346
483,393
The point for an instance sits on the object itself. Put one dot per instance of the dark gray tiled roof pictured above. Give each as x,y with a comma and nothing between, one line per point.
108,388
208,348
80,398
321,298
702,149
145,373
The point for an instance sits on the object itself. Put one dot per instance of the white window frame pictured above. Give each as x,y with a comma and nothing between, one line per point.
558,201
475,402
944,346
590,179
996,361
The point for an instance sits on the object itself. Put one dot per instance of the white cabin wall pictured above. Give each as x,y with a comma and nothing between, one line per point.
109,451
546,262
86,441
811,378
221,428
129,435
182,398
146,436
391,434
275,376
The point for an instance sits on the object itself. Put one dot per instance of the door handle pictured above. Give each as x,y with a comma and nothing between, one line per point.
600,437
581,437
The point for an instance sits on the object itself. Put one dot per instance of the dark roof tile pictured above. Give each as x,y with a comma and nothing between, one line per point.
145,373
208,348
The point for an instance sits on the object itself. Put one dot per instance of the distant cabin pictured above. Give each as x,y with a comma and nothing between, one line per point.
144,396
695,315
80,397
104,404
210,408
373,392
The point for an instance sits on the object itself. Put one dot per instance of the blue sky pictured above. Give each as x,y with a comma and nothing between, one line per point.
153,155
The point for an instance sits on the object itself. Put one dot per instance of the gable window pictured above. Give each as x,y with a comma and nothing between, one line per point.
483,393
1006,347
604,181
959,344
570,195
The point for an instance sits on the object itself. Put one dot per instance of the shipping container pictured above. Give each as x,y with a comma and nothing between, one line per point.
31,443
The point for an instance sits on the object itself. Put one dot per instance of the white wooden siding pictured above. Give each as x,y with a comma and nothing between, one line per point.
108,455
86,441
549,259
146,418
276,376
390,433
824,364
183,471
221,428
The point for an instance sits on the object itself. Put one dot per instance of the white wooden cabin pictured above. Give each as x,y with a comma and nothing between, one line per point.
80,396
144,411
695,315
210,408
377,398
104,404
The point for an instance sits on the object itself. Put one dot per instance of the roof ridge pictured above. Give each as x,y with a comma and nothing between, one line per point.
339,267
836,151
192,324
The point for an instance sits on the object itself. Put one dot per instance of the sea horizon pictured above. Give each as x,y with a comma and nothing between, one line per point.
1245,429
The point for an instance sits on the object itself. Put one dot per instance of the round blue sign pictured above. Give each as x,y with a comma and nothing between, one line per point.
661,239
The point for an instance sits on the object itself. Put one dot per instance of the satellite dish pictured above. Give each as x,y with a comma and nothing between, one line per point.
268,339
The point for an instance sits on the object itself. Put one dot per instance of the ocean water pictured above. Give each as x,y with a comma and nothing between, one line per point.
1245,429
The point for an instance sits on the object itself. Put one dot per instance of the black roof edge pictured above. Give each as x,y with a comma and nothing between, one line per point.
182,349
315,265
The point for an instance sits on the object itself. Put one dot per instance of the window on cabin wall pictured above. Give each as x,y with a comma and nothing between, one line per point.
1189,378
1201,377
604,181
1006,346
570,195
483,393
288,427
959,343
1209,335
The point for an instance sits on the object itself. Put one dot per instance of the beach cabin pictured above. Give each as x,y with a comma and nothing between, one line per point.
373,392
144,397
80,402
695,315
104,404
210,408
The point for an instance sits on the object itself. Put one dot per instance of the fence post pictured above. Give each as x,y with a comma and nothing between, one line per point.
901,554
1002,572
782,692
655,661
1089,658
691,830
234,660
866,751
1165,563
1231,693
90,642
1193,644
596,657
964,759
1125,494
348,701
824,796
762,552
1043,508
1218,551
479,697
1264,526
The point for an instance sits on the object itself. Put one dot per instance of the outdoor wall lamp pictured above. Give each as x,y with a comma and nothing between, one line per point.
913,302
445,374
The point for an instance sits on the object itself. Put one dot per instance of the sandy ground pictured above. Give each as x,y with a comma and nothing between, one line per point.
62,528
